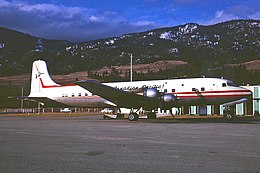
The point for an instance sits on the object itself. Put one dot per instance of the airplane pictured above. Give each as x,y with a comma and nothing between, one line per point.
136,95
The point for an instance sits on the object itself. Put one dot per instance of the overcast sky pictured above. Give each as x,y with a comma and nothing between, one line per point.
83,20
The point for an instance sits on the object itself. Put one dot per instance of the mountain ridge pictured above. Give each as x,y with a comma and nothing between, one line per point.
208,50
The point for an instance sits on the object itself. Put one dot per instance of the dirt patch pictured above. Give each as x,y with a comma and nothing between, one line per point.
144,68
250,65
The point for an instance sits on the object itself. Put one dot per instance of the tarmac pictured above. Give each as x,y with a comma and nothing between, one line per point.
88,143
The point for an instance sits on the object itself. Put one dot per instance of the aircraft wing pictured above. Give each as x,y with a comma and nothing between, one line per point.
119,97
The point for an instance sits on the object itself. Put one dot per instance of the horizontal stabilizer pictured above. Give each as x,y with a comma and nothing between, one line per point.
42,100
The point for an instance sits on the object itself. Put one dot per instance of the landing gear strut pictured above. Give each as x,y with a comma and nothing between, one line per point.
172,114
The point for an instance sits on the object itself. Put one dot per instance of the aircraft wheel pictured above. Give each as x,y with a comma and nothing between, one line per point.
151,115
133,116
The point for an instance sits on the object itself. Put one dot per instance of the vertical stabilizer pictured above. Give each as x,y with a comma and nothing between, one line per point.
40,79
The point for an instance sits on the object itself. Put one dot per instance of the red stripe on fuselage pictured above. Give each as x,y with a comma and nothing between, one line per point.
83,97
212,96
55,86
211,92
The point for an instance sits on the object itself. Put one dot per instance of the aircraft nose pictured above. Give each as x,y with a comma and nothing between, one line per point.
247,92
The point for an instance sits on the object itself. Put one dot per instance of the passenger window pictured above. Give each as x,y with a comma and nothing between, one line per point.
165,90
193,89
224,84
202,89
86,94
79,94
72,95
173,90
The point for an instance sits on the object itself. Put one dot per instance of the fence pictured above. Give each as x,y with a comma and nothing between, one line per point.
50,110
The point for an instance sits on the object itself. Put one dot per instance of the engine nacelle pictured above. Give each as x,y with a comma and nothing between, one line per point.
150,92
168,98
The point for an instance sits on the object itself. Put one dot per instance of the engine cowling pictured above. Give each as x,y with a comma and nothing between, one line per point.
168,98
150,92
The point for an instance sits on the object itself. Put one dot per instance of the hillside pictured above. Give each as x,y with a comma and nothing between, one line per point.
19,50
218,50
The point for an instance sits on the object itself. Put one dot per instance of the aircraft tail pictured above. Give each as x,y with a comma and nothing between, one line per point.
40,79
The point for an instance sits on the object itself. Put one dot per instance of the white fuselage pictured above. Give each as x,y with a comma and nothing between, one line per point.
191,91
187,91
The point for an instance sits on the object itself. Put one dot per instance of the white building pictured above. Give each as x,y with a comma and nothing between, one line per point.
256,98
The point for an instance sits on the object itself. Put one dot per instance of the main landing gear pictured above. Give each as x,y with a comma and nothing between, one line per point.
133,116
228,113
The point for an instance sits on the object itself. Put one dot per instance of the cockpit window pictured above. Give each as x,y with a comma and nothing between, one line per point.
224,84
230,84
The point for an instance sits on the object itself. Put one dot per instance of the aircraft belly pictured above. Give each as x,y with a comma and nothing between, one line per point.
82,102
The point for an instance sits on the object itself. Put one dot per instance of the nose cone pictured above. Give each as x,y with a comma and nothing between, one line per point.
246,92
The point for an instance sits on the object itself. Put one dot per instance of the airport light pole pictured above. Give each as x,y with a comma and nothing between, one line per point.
22,101
131,64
